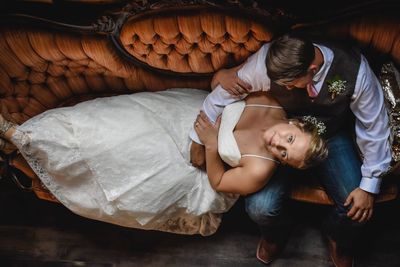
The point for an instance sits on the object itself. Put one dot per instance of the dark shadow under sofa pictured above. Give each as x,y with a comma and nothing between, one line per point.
51,58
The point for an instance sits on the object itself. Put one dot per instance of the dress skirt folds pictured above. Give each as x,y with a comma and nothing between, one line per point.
125,160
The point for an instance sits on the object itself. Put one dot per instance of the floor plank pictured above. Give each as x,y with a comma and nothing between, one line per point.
39,233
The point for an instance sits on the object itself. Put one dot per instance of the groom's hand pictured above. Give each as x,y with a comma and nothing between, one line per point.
198,156
362,206
230,82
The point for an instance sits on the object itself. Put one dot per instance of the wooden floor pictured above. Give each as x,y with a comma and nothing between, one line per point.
38,233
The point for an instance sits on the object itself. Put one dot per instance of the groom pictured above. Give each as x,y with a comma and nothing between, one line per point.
337,86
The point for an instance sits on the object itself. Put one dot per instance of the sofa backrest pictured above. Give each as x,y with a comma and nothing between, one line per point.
148,47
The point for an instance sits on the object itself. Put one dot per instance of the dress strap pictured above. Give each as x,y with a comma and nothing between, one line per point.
263,106
261,157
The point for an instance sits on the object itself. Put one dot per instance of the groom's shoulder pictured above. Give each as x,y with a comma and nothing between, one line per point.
254,70
264,49
259,56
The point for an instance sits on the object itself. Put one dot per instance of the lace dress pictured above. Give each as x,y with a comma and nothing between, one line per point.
125,160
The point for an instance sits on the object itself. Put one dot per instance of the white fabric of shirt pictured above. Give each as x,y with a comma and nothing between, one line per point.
371,126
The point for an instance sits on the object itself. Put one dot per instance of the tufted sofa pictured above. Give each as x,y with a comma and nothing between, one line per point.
49,59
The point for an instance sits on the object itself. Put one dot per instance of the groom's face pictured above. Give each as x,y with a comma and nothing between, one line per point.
300,82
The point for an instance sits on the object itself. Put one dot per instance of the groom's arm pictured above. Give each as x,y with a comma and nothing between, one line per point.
230,81
253,72
248,77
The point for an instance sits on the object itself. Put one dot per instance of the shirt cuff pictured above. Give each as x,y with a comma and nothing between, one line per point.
193,135
371,185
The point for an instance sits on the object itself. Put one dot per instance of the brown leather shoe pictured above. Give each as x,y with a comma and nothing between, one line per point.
339,257
267,252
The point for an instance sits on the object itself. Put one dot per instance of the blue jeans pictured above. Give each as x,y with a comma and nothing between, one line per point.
339,174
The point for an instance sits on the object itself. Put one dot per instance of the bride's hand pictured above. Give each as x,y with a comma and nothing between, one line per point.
207,132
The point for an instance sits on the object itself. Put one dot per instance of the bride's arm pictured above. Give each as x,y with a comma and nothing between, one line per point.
249,177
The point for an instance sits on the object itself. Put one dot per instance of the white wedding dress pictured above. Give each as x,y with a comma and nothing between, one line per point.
125,160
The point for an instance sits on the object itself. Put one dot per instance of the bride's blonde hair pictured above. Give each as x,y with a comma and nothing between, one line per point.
317,150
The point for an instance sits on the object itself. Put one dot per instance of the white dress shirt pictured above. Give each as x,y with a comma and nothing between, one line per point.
371,126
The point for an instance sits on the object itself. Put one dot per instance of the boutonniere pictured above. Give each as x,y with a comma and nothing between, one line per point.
336,86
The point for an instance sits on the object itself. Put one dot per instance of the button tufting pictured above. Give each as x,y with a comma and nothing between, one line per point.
13,80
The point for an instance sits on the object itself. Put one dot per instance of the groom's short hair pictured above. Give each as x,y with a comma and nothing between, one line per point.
288,58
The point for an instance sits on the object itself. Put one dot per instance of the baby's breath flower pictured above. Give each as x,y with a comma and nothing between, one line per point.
336,86
319,125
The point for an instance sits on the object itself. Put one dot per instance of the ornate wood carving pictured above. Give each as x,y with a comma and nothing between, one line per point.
112,22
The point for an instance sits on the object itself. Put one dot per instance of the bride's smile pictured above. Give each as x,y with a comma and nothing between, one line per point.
287,142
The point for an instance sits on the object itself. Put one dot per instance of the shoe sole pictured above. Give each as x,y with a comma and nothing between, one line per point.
258,256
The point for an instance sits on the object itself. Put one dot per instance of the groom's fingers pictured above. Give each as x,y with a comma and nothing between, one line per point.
203,120
244,85
239,89
370,214
358,215
364,216
234,88
352,211
204,117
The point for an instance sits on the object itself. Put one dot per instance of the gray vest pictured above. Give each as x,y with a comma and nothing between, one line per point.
334,112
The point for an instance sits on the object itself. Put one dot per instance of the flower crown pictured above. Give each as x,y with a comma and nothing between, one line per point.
319,125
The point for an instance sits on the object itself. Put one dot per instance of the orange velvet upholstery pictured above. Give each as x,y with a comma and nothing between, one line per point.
44,67
41,70
201,43
377,34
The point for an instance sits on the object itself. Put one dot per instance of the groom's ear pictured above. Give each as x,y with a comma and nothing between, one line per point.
313,68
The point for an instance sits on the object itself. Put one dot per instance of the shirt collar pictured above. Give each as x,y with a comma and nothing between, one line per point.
323,71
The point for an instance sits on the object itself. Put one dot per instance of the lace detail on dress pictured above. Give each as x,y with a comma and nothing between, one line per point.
22,141
186,224
20,138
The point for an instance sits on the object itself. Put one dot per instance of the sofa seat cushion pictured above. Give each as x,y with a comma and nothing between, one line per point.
310,190
305,189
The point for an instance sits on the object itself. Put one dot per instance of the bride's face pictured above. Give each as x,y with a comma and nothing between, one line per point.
288,143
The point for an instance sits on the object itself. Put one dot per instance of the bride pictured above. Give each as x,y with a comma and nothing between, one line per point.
126,159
